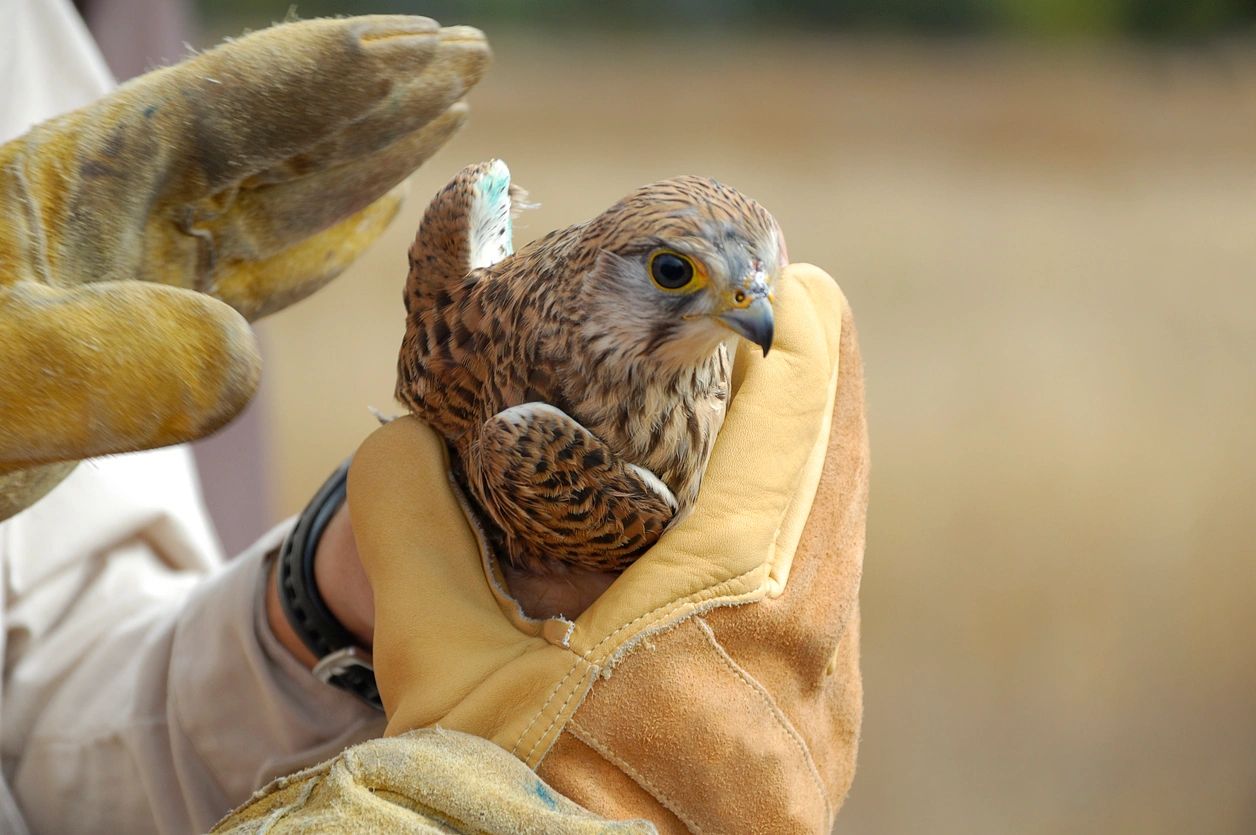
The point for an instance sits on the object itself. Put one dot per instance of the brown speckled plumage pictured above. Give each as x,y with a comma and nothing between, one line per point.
560,373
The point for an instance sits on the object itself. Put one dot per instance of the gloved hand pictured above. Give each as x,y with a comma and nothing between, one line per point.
138,234
429,782
715,685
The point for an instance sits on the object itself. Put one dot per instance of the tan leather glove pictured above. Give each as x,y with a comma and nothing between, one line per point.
138,234
714,687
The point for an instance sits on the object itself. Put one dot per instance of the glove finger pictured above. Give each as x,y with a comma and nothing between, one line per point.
264,221
460,60
252,103
114,367
839,467
257,288
819,554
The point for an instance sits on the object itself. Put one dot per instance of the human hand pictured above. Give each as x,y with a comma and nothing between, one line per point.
747,607
341,583
345,588
140,233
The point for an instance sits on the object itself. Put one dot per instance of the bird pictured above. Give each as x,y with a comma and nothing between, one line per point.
580,382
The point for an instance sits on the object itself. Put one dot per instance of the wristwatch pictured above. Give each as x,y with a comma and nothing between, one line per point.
341,662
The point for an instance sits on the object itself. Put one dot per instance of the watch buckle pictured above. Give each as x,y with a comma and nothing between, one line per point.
340,662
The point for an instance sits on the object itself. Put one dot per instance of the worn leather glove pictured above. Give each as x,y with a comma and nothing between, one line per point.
714,687
427,782
138,234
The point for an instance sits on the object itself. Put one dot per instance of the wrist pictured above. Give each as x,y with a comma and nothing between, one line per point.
278,622
341,582
319,602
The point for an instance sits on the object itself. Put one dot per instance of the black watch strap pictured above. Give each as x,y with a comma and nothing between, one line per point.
341,661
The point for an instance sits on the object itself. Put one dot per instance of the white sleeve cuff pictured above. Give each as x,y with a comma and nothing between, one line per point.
236,689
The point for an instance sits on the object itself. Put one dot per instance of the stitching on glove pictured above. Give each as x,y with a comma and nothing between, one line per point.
773,707
351,761
666,609
268,823
207,256
581,733
596,667
594,671
34,226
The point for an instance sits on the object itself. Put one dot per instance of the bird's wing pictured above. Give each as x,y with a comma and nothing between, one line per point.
559,494
444,361
466,227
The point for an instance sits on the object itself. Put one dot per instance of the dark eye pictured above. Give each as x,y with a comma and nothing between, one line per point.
670,270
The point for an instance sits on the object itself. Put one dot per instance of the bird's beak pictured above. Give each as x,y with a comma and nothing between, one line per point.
754,320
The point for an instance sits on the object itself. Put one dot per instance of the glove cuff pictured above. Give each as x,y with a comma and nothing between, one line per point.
341,662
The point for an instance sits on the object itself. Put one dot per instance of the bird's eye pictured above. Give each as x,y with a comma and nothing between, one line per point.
671,270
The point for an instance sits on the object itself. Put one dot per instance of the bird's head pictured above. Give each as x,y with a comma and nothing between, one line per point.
680,265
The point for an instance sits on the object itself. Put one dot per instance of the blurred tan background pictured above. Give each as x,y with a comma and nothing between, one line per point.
1048,234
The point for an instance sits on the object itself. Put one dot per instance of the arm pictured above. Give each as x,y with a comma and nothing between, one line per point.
737,634
142,687
144,684
342,584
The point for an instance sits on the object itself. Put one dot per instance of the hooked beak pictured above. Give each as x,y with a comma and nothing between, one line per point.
754,321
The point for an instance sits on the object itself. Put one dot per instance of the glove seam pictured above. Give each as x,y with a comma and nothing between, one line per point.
775,709
584,735
667,609
278,814
311,776
592,668
350,761
38,245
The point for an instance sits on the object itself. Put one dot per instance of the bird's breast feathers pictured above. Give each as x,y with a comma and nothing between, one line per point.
578,367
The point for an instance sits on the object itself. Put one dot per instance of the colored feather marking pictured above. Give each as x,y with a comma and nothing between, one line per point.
491,233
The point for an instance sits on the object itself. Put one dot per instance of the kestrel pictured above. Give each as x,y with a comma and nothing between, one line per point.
580,382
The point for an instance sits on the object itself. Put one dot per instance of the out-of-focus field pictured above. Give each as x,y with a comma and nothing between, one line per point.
1051,254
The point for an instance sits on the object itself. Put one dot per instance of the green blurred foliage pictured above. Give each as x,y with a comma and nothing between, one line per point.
1054,18
1137,17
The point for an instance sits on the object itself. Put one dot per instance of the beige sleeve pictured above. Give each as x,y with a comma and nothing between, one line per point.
143,691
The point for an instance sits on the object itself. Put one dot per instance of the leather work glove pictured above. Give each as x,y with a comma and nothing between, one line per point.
429,782
714,687
139,234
